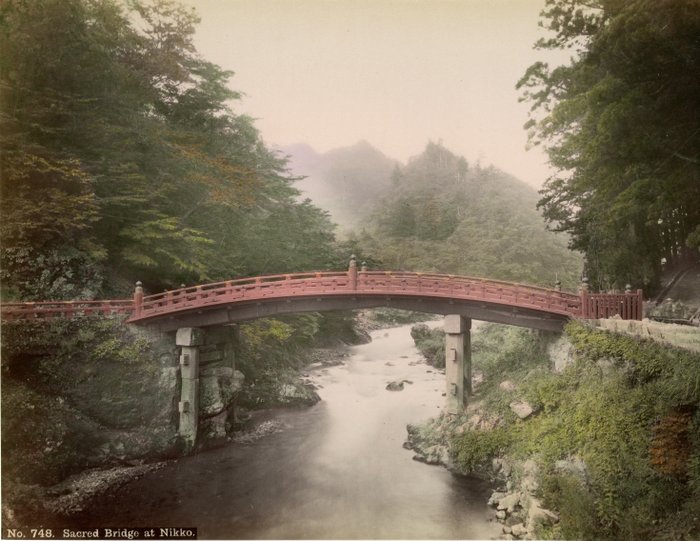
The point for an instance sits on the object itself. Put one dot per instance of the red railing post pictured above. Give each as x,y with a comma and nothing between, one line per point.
138,299
352,272
585,307
639,312
363,278
168,298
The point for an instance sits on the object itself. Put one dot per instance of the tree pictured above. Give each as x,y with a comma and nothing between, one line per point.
122,159
621,124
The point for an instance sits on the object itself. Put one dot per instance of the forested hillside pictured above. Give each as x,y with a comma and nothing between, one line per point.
122,159
442,214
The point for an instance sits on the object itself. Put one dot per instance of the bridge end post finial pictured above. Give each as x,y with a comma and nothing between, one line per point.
138,298
585,308
352,272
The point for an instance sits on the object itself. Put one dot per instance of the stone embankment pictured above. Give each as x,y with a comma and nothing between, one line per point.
70,496
682,336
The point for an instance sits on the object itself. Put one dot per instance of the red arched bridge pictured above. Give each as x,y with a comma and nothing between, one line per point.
190,310
230,301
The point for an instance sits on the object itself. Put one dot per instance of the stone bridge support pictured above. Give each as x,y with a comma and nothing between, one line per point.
209,382
458,362
189,340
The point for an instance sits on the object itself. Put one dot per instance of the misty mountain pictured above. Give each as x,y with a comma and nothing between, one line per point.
302,159
346,181
441,214
437,213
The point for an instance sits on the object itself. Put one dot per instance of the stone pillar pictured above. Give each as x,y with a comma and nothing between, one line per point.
189,339
458,362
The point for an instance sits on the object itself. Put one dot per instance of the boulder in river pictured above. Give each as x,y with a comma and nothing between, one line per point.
298,394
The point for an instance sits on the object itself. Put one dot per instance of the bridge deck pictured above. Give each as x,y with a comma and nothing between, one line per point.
234,295
367,283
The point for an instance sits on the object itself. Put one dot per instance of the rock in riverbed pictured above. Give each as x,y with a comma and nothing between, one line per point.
397,385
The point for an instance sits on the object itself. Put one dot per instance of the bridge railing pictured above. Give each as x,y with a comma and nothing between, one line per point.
362,281
258,287
462,287
373,282
605,305
14,311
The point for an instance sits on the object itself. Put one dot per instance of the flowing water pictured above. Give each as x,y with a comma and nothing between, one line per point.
336,470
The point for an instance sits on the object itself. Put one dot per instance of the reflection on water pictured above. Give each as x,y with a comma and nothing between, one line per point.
336,471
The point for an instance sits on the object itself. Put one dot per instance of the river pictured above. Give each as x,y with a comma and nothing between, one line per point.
336,470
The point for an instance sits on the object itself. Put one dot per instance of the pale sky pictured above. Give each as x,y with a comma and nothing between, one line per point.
396,73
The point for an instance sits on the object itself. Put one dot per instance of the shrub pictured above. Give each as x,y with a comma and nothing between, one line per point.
474,449
431,344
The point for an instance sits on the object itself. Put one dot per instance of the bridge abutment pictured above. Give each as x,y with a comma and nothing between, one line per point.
458,361
189,339
209,383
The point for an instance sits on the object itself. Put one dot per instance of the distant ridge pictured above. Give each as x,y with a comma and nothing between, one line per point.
344,181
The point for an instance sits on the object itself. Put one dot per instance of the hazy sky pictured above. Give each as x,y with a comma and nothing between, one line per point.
396,73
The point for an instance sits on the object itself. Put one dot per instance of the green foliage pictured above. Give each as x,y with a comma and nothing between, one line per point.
674,373
473,449
69,387
65,340
121,157
576,506
502,353
273,350
620,124
618,408
335,329
431,344
392,317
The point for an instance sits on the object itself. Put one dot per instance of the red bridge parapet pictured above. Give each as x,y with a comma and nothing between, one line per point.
367,283
14,311
350,283
627,305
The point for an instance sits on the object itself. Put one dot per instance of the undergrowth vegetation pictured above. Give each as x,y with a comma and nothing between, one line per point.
431,344
624,408
271,351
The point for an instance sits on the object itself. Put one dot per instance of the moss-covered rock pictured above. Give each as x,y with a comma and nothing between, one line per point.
218,386
82,393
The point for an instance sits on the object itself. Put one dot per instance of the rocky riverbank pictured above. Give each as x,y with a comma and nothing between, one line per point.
514,501
68,497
